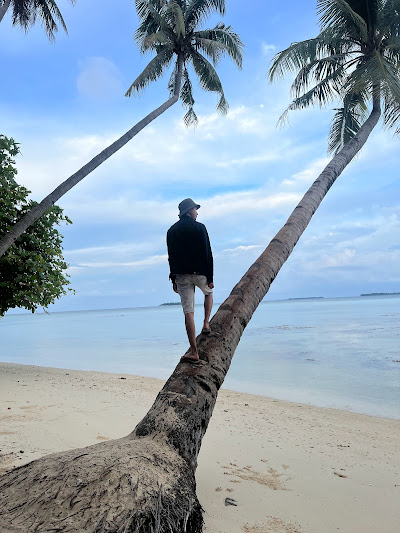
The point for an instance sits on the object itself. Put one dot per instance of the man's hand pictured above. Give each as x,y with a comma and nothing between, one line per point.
174,286
211,285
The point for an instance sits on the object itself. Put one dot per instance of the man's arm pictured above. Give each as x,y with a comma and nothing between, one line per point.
209,258
170,261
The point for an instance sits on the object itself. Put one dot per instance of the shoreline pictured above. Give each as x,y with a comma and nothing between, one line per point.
278,398
291,467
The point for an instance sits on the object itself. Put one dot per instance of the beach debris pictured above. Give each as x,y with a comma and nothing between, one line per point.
340,475
21,451
122,378
230,501
9,408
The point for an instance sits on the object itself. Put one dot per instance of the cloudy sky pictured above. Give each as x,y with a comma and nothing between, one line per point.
64,102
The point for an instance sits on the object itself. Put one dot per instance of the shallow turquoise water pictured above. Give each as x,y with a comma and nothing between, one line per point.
338,353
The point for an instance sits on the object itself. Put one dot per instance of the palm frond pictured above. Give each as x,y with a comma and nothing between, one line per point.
225,39
153,41
186,96
142,6
153,19
175,10
374,71
172,80
198,10
390,46
208,79
190,118
389,18
339,13
298,55
316,71
25,13
211,49
347,121
152,71
391,113
327,90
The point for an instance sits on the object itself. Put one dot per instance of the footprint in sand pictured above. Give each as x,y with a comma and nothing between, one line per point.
272,479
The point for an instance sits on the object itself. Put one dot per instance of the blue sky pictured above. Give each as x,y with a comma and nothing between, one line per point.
64,102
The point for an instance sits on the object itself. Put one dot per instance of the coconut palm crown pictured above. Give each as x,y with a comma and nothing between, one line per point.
354,60
171,29
26,12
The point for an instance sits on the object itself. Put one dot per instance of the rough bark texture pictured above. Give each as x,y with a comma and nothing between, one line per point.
145,481
150,486
4,8
36,212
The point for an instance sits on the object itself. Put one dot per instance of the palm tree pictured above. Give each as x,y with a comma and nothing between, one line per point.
145,481
25,13
170,28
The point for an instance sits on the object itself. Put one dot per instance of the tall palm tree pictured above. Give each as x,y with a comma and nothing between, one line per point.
170,28
145,481
25,13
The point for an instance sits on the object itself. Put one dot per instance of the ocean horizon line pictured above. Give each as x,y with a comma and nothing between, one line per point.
173,304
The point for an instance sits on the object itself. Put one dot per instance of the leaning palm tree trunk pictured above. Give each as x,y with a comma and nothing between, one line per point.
145,481
3,9
36,212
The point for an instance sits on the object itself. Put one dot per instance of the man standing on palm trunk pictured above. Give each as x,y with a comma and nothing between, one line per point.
191,265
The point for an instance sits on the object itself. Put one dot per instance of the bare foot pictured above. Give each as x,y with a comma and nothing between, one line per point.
189,360
190,356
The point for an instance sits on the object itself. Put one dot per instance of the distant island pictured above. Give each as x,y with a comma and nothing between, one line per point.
170,303
380,294
308,298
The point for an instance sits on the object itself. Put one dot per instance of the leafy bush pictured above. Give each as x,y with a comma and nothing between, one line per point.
32,272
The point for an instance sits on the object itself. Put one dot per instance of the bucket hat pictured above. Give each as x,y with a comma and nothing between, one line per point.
186,205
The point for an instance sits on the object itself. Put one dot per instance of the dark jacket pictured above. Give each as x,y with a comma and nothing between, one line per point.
189,250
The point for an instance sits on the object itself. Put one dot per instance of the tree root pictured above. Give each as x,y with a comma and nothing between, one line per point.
126,485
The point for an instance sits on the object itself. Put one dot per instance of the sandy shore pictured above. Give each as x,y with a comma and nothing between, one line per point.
291,468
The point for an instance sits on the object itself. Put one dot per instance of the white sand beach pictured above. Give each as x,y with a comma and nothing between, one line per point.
290,468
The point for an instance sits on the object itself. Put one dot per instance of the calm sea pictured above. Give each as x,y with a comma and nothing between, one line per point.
342,353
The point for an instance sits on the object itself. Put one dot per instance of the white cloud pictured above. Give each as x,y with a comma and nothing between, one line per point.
242,249
342,258
308,175
268,49
160,152
129,208
376,252
137,265
266,157
99,79
248,202
115,250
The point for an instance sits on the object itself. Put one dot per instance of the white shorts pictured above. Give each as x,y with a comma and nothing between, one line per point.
186,284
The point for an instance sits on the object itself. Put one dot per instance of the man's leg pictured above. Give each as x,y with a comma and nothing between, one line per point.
191,333
186,289
208,303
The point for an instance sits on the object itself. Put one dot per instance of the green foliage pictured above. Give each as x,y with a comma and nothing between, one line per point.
355,60
170,28
32,271
26,12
